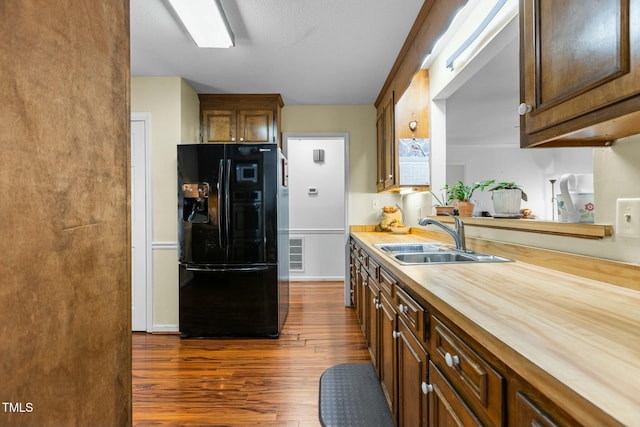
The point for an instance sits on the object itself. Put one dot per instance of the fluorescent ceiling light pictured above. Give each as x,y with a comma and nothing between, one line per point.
205,21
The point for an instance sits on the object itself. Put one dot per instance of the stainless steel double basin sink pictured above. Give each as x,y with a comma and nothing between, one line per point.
434,253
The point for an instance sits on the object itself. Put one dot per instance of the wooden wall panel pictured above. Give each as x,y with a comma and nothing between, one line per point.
65,303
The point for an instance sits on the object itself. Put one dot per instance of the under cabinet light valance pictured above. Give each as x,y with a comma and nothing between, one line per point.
472,38
205,21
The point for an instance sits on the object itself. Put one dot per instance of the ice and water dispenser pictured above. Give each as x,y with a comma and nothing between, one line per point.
195,198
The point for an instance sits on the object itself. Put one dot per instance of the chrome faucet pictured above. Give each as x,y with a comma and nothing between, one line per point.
457,234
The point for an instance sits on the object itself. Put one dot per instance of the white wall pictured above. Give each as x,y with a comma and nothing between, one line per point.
359,121
616,169
318,217
530,168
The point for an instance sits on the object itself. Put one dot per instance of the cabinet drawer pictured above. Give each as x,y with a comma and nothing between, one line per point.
373,268
528,414
471,375
412,313
363,257
446,407
387,283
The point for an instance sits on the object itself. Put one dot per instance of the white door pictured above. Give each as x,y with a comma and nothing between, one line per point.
138,226
317,207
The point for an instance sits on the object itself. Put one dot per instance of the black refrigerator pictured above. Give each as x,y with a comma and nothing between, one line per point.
233,221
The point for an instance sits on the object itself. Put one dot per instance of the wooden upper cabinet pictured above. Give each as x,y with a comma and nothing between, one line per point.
218,126
256,126
386,176
580,71
400,164
252,119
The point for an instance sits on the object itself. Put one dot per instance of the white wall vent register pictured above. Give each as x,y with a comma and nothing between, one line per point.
296,254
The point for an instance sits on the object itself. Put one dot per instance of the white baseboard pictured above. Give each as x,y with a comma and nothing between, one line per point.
293,278
165,328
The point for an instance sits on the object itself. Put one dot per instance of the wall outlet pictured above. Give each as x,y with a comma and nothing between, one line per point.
375,204
628,217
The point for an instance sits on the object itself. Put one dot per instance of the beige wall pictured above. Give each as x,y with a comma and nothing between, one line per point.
359,121
174,109
65,293
175,112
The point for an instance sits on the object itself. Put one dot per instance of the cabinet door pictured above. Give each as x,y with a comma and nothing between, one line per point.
389,162
580,61
256,127
373,301
380,150
387,355
357,289
386,146
412,372
353,269
363,306
447,409
475,379
219,126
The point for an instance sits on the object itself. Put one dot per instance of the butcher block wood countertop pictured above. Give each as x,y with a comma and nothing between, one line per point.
564,334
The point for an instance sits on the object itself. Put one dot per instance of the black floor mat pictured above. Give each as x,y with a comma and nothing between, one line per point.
351,396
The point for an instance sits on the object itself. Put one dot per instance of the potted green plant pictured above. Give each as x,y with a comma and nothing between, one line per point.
507,197
460,194
442,208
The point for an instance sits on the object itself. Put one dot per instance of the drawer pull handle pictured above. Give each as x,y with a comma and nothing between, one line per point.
403,308
451,360
426,388
396,334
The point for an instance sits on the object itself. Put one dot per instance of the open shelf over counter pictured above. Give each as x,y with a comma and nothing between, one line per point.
580,230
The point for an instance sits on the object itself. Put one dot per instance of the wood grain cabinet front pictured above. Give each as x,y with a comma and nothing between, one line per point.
373,320
481,386
243,119
435,372
386,145
412,313
528,413
446,406
580,71
412,378
388,361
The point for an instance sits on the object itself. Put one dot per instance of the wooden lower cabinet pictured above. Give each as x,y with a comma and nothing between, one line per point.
446,406
372,300
412,373
388,356
528,413
363,306
476,380
433,373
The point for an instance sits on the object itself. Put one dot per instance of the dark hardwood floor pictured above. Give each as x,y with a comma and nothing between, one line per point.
248,382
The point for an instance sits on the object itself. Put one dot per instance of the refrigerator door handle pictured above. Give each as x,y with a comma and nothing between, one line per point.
220,175
227,205
230,269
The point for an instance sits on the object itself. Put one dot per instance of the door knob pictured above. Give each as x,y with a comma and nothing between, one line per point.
524,109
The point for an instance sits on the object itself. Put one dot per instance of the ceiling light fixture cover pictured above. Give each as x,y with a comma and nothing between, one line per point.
206,22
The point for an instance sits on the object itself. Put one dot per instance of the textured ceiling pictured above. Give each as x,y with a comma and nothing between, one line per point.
310,51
